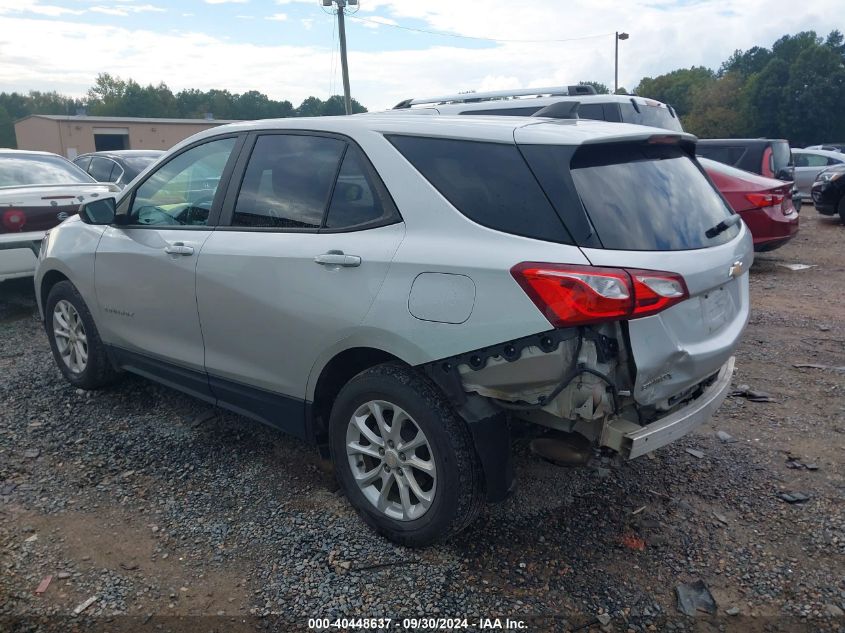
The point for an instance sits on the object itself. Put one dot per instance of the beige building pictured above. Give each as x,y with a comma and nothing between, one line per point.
70,136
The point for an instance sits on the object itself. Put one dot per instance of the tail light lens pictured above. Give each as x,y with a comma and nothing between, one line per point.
14,220
577,295
763,200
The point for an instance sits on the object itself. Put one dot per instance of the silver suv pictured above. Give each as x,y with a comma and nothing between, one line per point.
399,290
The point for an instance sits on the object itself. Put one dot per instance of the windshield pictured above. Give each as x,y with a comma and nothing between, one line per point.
35,169
637,196
655,116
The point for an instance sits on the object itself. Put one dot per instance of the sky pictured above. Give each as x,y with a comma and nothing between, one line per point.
288,49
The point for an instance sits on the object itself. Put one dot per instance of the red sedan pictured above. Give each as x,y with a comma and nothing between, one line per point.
764,204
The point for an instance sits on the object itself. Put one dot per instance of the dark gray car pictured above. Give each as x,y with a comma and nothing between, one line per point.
119,167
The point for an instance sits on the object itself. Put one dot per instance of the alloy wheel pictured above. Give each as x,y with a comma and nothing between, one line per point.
71,339
391,460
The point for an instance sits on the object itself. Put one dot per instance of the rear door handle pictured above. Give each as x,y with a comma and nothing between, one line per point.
338,258
179,248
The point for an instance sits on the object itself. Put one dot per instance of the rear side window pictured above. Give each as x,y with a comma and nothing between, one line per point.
505,111
728,154
288,181
355,200
489,183
101,169
643,197
591,111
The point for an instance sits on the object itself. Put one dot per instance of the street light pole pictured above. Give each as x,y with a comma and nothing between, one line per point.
619,36
341,28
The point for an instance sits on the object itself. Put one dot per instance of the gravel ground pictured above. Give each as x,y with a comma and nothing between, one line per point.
176,516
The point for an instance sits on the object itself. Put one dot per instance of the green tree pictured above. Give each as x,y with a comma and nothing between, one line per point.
717,111
599,87
814,94
7,129
677,88
765,99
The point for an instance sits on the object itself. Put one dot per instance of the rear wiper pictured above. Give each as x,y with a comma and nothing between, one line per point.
722,226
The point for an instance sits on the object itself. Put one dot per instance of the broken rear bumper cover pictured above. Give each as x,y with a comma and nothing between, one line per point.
632,440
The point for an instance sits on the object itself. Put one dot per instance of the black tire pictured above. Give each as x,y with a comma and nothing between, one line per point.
99,371
841,209
459,495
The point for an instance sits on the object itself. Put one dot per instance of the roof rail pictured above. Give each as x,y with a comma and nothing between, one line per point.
473,97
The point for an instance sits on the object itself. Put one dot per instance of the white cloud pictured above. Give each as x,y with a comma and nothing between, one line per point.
277,17
375,21
226,1
25,6
125,9
245,17
307,23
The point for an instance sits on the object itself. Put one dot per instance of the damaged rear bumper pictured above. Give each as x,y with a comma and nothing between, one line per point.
632,440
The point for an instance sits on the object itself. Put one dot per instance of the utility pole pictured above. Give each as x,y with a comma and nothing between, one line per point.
341,29
619,36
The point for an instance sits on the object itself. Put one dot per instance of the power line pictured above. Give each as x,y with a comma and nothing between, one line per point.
472,37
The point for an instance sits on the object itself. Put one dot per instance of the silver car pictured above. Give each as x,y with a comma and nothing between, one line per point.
809,163
399,290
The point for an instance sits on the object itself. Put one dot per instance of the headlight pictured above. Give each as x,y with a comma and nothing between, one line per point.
829,176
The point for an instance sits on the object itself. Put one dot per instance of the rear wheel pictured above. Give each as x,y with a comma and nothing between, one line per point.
74,339
403,458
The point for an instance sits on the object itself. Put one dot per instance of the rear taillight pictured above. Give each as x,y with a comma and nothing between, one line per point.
577,295
761,200
14,220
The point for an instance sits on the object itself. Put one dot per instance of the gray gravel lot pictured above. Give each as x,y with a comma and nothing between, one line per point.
162,507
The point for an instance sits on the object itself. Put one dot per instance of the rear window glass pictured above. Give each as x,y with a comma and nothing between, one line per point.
646,197
35,169
655,116
489,183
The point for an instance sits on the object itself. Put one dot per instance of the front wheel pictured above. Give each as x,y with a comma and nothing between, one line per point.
403,458
74,339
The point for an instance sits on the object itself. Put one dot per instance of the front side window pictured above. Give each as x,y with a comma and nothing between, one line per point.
181,192
288,182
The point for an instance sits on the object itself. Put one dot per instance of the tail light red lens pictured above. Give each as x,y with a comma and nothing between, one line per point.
577,295
14,220
761,200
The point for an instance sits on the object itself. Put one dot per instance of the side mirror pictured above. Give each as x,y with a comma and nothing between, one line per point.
100,211
786,173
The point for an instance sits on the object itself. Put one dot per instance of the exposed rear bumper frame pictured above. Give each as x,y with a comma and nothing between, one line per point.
619,434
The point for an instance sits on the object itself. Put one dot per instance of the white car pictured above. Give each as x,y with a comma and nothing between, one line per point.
399,289
38,190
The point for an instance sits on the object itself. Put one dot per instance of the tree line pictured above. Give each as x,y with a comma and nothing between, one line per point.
113,96
793,90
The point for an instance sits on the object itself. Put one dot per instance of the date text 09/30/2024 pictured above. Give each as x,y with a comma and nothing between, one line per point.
416,624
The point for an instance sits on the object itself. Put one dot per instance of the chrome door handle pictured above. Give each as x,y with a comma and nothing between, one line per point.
338,258
179,248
